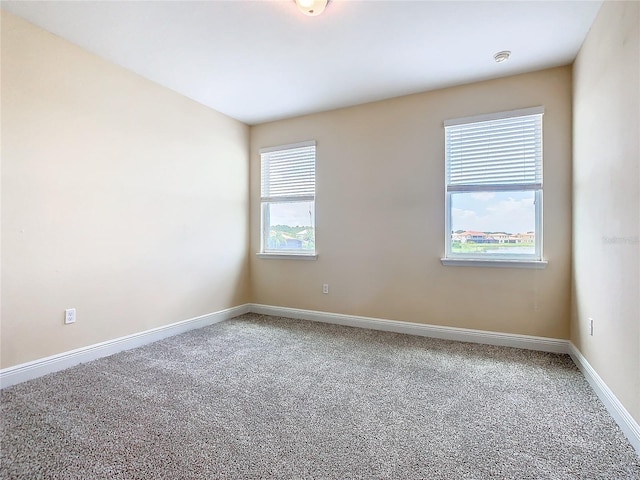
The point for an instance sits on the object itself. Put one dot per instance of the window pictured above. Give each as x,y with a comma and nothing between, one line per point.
288,191
494,187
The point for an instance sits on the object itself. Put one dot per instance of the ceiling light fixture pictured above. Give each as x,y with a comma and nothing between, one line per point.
311,7
502,56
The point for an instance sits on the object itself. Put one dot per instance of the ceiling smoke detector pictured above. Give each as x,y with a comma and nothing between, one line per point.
502,56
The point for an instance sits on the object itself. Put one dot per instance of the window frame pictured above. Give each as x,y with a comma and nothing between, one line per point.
267,201
534,260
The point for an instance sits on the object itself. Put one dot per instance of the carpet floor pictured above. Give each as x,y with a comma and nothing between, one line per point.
267,397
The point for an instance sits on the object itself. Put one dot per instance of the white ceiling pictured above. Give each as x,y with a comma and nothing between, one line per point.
262,60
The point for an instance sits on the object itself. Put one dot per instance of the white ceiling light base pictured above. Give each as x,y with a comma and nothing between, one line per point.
312,7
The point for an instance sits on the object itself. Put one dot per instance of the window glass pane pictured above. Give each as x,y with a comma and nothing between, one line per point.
291,226
485,223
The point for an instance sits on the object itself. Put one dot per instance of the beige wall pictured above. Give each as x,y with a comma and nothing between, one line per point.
119,197
606,285
380,214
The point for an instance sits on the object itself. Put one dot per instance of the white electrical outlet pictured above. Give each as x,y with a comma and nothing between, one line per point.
70,315
325,288
591,326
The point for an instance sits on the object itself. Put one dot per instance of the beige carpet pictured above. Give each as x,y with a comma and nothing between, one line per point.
264,397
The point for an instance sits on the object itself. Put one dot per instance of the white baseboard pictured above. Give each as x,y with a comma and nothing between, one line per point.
37,368
623,418
448,333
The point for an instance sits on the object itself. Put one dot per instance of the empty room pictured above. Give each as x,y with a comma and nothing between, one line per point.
311,239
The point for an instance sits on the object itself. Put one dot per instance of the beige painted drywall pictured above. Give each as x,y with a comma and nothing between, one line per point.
120,198
380,214
606,186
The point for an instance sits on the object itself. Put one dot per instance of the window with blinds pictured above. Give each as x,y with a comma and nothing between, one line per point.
288,189
494,186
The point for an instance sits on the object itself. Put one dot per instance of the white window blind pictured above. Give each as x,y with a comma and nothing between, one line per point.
494,154
289,173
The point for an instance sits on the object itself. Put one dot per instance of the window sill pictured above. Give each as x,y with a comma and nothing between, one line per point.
288,256
467,262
